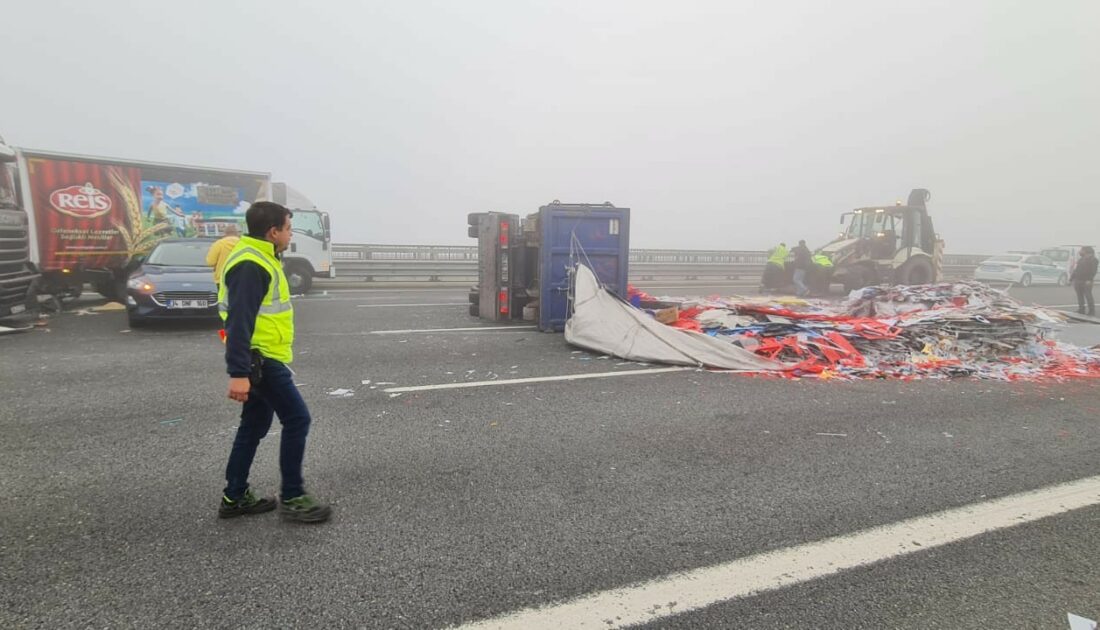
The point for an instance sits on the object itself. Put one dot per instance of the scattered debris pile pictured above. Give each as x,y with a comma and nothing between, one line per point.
931,331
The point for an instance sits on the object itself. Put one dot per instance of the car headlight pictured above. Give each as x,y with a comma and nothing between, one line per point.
142,284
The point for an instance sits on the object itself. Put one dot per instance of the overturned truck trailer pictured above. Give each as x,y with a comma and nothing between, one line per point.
525,265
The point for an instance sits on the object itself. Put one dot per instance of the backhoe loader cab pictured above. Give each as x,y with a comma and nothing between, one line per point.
887,244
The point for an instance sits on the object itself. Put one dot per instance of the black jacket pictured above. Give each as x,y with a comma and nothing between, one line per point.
245,285
803,259
1085,270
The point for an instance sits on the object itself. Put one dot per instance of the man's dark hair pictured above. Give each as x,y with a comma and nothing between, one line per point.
264,215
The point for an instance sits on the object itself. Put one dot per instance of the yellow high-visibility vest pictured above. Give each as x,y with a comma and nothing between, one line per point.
779,255
274,332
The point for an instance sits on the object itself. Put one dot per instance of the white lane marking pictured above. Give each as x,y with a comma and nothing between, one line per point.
698,286
457,289
534,379
410,304
691,590
364,298
431,330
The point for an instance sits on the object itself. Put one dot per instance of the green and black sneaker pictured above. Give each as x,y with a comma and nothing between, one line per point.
247,504
304,509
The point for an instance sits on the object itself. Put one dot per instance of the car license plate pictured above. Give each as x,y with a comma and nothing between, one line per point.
187,303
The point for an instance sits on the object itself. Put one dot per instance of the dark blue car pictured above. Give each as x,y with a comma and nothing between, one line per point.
173,282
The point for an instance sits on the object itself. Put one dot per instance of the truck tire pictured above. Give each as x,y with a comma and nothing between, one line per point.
72,292
299,276
856,278
107,289
916,272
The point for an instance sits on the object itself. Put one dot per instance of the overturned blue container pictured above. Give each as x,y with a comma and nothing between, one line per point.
603,235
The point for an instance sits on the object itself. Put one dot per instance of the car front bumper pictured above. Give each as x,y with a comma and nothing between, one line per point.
146,306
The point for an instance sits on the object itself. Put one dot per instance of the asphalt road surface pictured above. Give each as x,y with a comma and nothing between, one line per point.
667,499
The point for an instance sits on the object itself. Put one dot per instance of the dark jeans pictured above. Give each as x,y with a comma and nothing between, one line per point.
800,287
1084,294
276,394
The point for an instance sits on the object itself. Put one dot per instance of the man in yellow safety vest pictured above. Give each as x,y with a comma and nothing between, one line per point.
254,302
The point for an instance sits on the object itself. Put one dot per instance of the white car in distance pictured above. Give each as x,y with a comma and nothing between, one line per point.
1022,270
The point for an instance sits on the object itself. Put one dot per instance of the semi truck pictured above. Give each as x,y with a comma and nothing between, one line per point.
92,219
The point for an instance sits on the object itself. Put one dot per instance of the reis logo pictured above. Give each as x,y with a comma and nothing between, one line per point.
82,202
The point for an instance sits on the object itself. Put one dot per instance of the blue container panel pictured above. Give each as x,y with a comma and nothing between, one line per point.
604,236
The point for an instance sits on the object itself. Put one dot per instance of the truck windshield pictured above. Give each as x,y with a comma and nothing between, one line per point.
180,254
868,223
308,223
7,189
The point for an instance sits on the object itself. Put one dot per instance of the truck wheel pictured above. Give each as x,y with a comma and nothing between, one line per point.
857,278
107,289
915,272
71,292
299,277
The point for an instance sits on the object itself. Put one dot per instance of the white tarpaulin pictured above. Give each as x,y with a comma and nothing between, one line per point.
604,323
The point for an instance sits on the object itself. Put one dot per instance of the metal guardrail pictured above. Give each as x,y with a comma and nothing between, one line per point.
437,263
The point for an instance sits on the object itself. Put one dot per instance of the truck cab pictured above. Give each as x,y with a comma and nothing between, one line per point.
17,275
310,253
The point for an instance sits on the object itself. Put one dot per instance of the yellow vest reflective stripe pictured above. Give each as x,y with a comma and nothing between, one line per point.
273,335
779,256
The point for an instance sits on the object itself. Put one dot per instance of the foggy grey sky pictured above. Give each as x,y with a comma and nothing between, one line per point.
721,124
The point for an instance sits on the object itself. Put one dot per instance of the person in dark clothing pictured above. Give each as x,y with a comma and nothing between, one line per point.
803,263
1083,276
254,301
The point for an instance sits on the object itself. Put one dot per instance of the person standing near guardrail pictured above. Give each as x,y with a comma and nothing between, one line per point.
254,302
1083,276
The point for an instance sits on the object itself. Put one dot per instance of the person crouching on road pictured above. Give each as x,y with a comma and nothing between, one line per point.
821,274
1083,276
254,302
775,274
